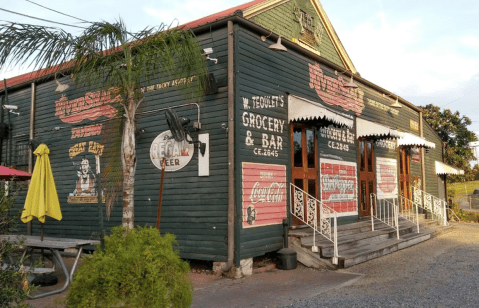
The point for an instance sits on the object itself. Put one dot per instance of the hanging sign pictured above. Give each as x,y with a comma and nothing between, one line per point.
177,154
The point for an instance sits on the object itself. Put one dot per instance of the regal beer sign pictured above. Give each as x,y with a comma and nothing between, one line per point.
176,154
264,194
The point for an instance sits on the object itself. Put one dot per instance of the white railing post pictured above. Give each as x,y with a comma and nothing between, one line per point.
315,219
396,216
335,236
417,217
372,214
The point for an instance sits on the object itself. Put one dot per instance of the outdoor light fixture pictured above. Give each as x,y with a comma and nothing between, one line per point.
396,104
60,87
207,52
351,83
278,46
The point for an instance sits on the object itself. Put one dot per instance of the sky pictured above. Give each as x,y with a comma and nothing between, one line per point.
425,51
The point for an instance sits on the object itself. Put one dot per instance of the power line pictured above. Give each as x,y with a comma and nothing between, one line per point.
57,11
55,22
473,89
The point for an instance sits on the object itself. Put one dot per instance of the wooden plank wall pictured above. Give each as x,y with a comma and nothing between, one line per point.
194,208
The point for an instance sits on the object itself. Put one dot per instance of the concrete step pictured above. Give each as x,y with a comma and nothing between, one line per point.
357,243
365,253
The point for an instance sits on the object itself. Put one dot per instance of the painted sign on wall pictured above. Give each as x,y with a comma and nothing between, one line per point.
264,194
177,154
333,91
386,178
264,134
339,188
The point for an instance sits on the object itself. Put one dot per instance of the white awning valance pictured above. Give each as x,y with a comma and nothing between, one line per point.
301,109
411,140
365,128
442,168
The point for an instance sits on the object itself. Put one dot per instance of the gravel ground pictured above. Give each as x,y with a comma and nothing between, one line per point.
441,272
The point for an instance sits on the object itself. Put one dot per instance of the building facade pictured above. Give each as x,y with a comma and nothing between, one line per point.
304,117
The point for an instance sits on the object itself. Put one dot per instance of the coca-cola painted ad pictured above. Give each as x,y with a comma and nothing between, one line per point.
339,186
386,177
264,194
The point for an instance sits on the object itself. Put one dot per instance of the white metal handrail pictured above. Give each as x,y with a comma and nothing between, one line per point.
437,207
409,210
386,211
308,209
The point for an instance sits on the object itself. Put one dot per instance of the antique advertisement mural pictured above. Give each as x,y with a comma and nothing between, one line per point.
264,194
334,92
386,178
85,155
339,188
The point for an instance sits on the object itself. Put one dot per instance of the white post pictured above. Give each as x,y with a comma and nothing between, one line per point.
372,214
396,218
315,222
417,217
335,258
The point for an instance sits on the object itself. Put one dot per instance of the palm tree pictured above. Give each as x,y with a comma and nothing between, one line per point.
107,55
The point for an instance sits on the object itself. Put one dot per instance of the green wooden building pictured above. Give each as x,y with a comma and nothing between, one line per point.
302,117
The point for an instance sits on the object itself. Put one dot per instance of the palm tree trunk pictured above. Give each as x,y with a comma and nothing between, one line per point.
128,150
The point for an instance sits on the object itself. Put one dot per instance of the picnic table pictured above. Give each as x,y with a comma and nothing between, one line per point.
54,245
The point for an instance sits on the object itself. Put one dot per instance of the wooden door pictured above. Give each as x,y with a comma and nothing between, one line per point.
367,177
404,172
304,162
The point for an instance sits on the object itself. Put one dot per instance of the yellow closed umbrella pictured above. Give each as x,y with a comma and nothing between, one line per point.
42,197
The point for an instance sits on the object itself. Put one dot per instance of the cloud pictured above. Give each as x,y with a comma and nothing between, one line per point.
470,41
399,58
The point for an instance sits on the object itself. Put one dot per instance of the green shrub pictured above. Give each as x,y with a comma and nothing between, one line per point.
13,280
138,268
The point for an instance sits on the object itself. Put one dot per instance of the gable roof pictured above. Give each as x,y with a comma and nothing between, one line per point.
249,10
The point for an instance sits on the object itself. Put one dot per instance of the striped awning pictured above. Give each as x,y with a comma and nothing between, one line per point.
410,140
442,168
301,109
365,128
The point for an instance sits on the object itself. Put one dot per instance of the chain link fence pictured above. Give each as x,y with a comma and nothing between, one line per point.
467,202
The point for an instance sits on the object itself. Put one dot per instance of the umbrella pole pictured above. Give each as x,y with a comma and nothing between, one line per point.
163,166
41,231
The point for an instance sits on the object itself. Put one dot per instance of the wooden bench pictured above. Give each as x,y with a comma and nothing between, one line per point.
36,270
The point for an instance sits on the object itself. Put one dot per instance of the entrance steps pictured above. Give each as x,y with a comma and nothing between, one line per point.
357,243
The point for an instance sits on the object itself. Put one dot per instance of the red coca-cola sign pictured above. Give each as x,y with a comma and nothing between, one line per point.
264,194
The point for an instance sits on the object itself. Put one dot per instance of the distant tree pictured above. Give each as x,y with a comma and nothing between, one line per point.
106,55
452,128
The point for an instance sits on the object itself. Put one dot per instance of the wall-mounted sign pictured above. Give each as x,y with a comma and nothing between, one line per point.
415,154
414,125
264,194
333,91
177,154
339,188
386,177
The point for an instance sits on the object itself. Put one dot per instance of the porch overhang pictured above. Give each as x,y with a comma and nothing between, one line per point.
301,109
368,129
442,168
410,140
